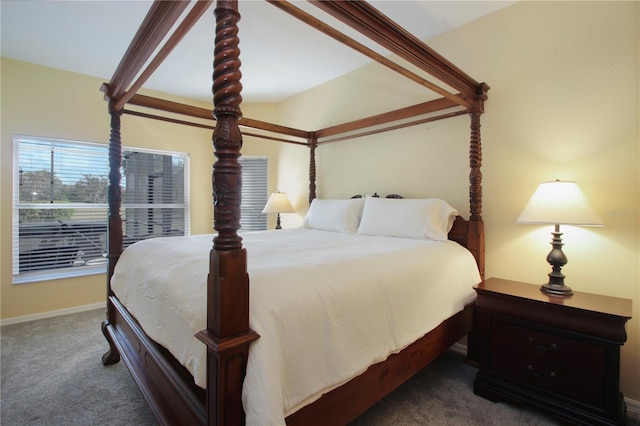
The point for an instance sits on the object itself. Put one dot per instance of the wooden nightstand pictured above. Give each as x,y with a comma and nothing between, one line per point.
558,354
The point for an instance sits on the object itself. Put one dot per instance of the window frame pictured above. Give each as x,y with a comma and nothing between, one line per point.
101,268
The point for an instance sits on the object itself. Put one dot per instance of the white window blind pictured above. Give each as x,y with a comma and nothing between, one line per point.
60,204
254,193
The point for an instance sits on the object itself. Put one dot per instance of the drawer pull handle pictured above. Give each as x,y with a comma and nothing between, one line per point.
551,347
551,375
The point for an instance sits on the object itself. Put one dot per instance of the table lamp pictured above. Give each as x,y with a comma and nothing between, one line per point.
278,203
556,203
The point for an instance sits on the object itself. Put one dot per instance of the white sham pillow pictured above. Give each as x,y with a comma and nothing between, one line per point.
334,215
430,218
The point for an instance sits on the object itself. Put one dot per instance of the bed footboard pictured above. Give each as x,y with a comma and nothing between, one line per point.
174,398
169,390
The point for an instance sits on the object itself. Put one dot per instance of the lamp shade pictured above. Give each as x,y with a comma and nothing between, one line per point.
559,202
278,203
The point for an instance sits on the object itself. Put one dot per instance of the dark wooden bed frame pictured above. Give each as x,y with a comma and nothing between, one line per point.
167,386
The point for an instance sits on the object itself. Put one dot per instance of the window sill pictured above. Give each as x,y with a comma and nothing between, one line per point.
32,277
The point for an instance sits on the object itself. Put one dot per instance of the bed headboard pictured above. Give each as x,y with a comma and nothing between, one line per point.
459,231
470,234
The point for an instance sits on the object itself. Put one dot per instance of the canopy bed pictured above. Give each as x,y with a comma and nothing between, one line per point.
169,385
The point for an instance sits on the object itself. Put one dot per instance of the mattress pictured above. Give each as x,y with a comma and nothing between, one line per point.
327,305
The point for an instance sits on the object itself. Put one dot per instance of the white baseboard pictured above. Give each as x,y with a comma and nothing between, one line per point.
633,407
459,348
51,314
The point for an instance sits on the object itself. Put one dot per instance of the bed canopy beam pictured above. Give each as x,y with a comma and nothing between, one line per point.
367,20
157,23
394,127
364,123
189,21
206,126
342,38
204,113
387,117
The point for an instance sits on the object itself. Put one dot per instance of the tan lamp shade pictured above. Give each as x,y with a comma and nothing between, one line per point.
561,203
278,203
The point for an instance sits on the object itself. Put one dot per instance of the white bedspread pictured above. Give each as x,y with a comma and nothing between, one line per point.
326,305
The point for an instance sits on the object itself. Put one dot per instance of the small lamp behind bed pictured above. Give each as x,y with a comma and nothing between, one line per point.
278,203
558,203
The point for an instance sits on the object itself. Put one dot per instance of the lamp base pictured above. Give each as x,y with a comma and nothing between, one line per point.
557,260
556,290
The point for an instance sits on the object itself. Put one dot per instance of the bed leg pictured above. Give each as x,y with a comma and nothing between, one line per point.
112,356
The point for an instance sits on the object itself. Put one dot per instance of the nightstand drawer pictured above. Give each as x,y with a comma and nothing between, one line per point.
559,379
548,347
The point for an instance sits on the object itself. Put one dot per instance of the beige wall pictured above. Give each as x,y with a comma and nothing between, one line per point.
563,104
40,101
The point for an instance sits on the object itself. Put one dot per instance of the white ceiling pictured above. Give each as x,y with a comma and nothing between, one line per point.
90,37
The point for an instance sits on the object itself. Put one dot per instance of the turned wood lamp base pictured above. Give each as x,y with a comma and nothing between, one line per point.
557,260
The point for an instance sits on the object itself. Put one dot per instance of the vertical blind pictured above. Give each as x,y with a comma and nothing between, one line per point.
254,193
60,204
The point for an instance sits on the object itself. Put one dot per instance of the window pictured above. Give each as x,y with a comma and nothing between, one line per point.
254,193
60,204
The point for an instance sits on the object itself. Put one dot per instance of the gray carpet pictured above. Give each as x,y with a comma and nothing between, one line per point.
51,374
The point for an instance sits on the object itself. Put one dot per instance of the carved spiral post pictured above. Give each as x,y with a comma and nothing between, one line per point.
228,335
476,224
114,192
313,143
475,163
227,139
115,233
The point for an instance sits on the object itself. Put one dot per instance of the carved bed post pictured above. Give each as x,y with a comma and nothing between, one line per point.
313,144
476,225
228,335
475,163
114,193
114,227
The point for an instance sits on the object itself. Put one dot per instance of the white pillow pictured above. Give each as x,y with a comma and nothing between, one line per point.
430,218
334,215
